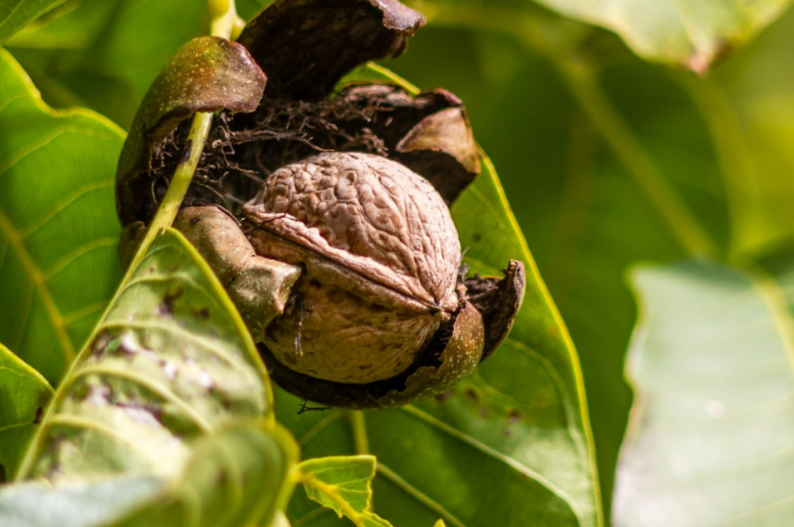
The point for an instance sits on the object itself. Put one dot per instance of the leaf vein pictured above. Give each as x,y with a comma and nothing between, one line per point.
488,451
160,390
183,334
64,203
36,277
775,300
417,494
86,248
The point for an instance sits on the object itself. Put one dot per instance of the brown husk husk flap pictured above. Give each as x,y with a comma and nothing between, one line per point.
498,302
306,46
206,74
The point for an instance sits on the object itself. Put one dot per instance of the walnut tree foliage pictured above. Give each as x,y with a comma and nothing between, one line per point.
643,150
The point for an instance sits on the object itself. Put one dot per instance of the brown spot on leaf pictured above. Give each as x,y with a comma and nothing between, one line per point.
443,397
201,314
167,307
472,395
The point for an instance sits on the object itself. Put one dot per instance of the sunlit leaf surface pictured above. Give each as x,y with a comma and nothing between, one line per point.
14,14
58,228
582,212
712,429
343,484
170,361
233,478
687,32
23,395
74,503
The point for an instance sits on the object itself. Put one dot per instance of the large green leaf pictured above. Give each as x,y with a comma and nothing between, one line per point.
58,227
170,360
104,54
509,445
235,478
14,14
750,106
23,395
711,435
689,33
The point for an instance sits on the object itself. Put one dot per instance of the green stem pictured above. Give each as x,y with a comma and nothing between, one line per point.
183,175
224,19
223,23
359,426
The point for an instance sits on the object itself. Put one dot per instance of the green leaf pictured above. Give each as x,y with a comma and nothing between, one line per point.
15,14
238,478
171,360
711,435
749,106
688,33
515,434
74,25
58,227
333,481
104,54
23,395
75,503
343,483
234,478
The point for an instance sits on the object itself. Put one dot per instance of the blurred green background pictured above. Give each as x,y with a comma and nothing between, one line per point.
579,129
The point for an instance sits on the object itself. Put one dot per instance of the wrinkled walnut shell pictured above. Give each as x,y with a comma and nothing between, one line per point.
380,255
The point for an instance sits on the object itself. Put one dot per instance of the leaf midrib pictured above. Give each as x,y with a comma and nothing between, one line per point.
776,304
11,13
496,455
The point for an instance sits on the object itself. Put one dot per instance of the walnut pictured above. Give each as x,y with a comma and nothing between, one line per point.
381,258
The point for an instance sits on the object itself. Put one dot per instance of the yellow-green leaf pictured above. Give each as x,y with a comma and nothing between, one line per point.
712,428
171,360
23,396
235,478
15,14
58,227
690,33
343,483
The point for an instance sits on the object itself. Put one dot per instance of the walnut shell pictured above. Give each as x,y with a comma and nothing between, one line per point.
381,257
